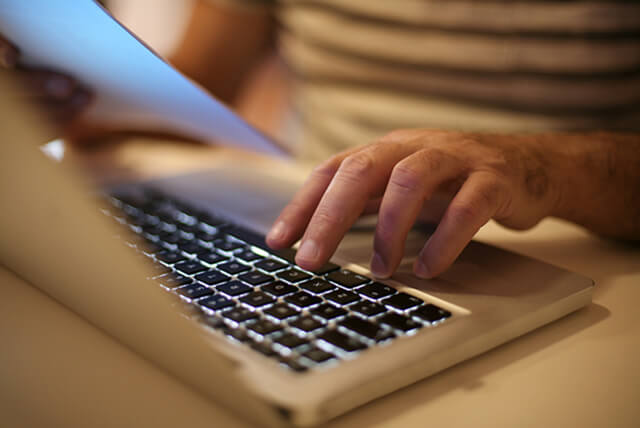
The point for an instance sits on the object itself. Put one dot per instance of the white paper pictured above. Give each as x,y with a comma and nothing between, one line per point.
133,87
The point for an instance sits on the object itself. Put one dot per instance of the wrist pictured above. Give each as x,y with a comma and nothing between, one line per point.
578,165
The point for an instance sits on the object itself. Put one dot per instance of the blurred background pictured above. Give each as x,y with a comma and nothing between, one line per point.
263,100
160,23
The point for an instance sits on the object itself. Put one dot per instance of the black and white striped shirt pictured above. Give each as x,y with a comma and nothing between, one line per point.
365,67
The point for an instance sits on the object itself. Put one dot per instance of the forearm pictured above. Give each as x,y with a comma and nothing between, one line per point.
598,177
221,45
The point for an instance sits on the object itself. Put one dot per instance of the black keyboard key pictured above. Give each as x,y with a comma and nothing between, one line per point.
228,246
191,247
264,327
233,267
154,230
317,286
216,302
342,297
194,291
399,322
368,308
190,230
270,265
431,313
281,311
234,288
317,355
347,279
376,291
291,341
208,236
248,256
211,277
294,365
326,268
255,278
328,311
212,258
306,324
237,334
212,321
303,299
385,335
158,270
257,299
264,348
173,281
209,221
402,301
190,267
293,275
279,288
240,315
246,235
170,238
289,254
170,257
362,327
342,341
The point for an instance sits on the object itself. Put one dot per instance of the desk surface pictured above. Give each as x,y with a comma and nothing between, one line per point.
583,370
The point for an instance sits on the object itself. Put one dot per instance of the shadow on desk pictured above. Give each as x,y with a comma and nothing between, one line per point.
469,376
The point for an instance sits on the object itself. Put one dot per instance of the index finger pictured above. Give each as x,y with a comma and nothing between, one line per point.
291,222
361,176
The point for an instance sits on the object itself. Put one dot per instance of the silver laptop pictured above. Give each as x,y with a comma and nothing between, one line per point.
177,270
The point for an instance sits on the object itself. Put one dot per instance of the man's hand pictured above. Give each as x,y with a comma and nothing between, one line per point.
58,96
509,179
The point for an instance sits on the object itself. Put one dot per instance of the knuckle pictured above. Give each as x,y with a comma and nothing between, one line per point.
394,136
407,177
357,166
324,220
464,212
432,158
489,195
326,169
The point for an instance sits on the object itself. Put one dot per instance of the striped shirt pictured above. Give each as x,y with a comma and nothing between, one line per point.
364,67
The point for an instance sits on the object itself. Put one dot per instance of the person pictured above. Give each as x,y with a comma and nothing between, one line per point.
454,112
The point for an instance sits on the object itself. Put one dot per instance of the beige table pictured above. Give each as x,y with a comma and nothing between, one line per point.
581,371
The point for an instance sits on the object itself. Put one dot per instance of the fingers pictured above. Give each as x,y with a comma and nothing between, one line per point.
46,84
361,176
290,224
64,112
413,181
58,95
8,53
479,198
342,203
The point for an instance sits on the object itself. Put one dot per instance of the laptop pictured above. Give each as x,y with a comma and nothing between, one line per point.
176,269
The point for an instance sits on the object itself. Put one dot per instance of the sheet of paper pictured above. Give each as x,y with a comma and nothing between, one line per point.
134,88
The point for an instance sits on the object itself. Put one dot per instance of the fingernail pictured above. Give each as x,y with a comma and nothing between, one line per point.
277,232
378,266
8,56
58,86
308,251
421,270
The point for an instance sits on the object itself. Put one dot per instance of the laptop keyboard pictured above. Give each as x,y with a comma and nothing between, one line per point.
258,297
